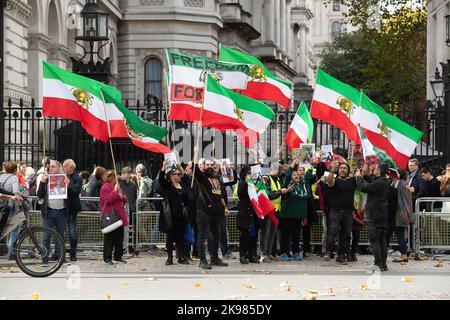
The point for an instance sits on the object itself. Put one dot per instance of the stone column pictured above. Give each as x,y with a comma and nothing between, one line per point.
283,26
277,19
269,21
303,49
38,44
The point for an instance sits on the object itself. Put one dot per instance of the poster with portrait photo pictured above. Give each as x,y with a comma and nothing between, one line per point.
225,170
171,160
307,152
57,187
326,153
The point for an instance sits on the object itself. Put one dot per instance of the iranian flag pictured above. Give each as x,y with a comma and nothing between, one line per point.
373,154
186,82
70,96
262,84
225,109
388,133
301,129
260,201
336,103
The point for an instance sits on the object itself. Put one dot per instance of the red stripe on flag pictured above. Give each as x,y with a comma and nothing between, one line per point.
154,147
335,117
292,139
69,109
186,112
384,144
266,91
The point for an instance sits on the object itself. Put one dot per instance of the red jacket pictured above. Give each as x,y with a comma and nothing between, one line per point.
109,199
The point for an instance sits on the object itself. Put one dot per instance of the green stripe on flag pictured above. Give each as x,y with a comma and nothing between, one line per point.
325,80
391,121
304,114
52,72
231,55
241,101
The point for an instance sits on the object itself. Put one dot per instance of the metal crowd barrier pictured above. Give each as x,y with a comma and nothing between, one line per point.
143,229
432,225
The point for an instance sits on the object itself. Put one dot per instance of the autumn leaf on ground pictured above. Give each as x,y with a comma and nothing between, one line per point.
108,297
363,287
407,279
197,285
124,283
439,264
35,296
313,292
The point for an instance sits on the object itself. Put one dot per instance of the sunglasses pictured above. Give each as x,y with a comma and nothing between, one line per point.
177,174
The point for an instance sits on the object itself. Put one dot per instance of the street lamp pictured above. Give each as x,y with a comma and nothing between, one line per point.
437,85
447,25
94,30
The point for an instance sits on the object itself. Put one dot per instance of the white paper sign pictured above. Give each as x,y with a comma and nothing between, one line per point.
171,160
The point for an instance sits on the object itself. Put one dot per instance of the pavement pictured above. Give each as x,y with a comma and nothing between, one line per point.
147,277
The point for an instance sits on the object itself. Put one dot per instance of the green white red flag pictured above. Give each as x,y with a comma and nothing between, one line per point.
225,109
301,129
70,96
336,103
388,133
262,84
186,82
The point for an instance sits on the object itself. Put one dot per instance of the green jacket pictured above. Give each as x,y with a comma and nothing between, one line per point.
294,204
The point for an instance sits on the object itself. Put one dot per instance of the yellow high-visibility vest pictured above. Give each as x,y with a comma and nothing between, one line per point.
276,186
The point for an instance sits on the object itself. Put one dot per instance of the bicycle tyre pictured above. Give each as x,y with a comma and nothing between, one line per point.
23,235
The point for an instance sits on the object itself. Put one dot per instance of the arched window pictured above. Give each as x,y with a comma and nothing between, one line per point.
336,5
335,30
153,78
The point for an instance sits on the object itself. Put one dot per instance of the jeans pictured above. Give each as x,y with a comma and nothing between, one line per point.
268,236
223,237
400,232
72,225
54,219
113,240
377,239
12,237
290,234
340,223
324,234
207,223
155,231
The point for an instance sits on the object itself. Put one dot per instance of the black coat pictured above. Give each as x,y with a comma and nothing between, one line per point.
420,187
376,211
73,193
246,212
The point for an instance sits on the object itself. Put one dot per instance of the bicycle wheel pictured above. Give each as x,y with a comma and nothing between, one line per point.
40,251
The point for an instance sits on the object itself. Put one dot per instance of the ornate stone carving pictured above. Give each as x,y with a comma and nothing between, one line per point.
152,2
194,3
19,10
38,41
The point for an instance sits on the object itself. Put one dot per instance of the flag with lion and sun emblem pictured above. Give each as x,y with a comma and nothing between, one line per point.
225,109
70,96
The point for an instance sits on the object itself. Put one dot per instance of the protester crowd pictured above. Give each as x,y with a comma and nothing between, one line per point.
194,207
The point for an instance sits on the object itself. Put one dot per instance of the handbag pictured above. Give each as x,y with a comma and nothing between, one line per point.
110,222
165,221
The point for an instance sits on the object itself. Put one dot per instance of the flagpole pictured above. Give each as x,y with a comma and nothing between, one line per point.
166,102
109,134
200,128
43,136
354,143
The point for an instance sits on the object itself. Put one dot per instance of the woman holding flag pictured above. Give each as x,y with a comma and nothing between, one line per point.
294,209
246,221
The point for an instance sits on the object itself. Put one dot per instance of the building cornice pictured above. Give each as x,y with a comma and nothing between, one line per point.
38,41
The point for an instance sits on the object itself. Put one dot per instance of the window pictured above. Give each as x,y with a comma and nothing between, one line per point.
337,5
335,30
153,78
